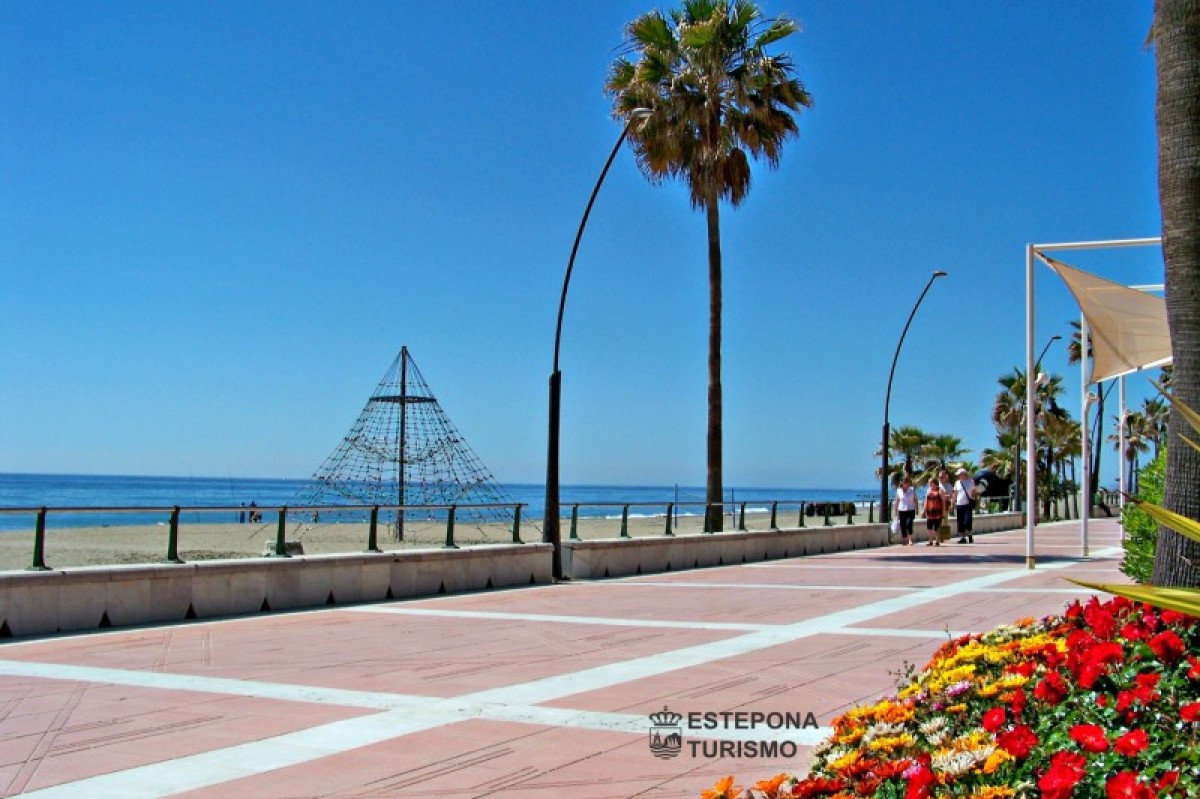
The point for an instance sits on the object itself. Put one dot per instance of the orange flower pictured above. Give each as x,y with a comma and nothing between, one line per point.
723,789
770,788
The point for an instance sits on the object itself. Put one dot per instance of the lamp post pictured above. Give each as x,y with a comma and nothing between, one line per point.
1037,378
551,532
885,508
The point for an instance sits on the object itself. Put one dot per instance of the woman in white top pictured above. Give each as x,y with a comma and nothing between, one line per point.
906,510
964,505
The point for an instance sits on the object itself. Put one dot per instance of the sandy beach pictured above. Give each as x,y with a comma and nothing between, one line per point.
67,547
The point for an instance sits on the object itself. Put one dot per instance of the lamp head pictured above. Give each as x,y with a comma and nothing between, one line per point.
1091,398
1042,379
939,273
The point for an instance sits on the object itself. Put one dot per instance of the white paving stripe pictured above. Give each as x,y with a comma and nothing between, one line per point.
600,620
513,703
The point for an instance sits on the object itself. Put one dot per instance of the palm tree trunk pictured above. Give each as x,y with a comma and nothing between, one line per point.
715,487
1177,112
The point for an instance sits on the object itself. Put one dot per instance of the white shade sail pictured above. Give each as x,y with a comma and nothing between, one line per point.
1128,327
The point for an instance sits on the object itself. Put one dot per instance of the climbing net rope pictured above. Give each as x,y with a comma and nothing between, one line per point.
404,450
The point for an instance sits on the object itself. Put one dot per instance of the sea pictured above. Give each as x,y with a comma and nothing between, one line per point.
84,492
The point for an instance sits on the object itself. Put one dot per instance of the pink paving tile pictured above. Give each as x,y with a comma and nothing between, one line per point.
974,611
625,600
56,731
429,656
482,758
821,674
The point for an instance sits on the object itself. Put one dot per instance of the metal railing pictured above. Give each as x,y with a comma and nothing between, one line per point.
280,547
741,513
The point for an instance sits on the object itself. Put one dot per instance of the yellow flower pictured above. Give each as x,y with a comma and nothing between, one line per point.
891,743
846,760
992,792
995,760
959,708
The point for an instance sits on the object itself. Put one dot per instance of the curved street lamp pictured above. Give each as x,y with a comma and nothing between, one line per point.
885,508
551,532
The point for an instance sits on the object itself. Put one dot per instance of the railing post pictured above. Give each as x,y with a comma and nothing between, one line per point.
574,536
849,513
742,518
625,522
774,509
280,533
517,525
173,537
39,543
670,512
707,508
450,529
826,509
871,513
373,531
801,514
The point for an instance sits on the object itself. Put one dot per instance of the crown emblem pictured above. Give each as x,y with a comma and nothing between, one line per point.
665,718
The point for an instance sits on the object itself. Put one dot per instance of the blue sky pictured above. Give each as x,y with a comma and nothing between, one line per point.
220,222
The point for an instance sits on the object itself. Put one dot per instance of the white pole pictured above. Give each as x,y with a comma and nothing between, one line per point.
1084,438
1030,432
1121,481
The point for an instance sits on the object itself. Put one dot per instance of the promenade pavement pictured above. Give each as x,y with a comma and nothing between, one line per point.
534,692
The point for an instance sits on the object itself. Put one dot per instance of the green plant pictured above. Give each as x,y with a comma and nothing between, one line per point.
1140,529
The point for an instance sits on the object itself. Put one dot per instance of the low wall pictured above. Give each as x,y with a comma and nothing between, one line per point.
36,603
88,598
622,557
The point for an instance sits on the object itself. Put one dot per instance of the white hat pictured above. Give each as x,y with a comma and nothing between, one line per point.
961,470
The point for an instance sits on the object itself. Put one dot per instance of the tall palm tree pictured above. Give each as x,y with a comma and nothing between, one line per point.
940,450
1137,443
1156,412
1176,35
716,99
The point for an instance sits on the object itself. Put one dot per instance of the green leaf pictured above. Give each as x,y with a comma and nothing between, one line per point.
1180,524
1192,417
1184,600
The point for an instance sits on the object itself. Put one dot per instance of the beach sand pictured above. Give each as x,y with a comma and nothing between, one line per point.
67,547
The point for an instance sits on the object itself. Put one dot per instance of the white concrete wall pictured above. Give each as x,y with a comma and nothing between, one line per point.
621,557
36,603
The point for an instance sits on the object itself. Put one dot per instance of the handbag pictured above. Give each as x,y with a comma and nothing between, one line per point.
895,527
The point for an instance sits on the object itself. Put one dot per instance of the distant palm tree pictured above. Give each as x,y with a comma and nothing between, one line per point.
716,98
1137,443
1156,412
940,450
908,442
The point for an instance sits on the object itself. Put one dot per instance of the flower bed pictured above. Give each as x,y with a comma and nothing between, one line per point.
1102,701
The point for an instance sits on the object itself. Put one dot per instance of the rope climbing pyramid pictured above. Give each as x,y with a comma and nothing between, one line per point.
404,450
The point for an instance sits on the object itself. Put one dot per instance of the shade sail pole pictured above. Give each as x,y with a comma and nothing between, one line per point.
1084,438
1030,411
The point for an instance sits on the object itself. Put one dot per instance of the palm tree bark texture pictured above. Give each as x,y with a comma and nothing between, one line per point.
716,99
1176,37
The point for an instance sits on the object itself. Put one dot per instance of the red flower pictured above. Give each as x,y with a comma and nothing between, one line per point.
1018,701
1052,689
1090,736
1148,680
1099,619
1168,646
1093,663
1167,780
920,784
817,786
1194,671
994,719
1018,741
1132,743
1132,632
1190,712
1024,668
1126,786
1175,617
1065,772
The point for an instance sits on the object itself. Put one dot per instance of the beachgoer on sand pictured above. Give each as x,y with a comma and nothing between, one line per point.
934,510
964,505
906,510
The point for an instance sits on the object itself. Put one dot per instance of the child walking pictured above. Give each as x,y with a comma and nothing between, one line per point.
934,511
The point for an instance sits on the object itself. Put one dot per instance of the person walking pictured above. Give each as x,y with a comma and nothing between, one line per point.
906,510
964,505
934,511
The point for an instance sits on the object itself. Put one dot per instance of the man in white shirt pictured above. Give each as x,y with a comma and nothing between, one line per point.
964,505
